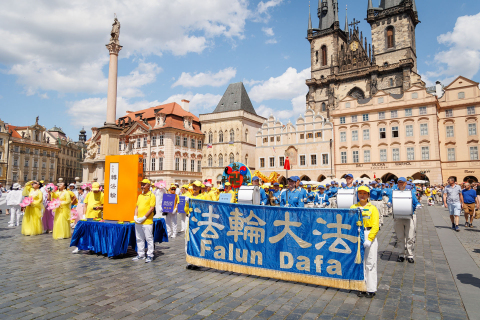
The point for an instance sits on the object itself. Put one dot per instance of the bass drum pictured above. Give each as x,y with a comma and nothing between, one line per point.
346,198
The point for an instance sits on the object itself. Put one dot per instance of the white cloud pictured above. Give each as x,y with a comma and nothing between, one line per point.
198,102
271,41
218,79
263,7
298,108
289,85
61,46
251,82
268,31
463,55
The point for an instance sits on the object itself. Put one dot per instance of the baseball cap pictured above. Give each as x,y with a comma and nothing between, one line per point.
321,187
95,186
197,183
144,181
328,185
281,186
255,178
276,184
364,188
301,183
293,178
402,179
349,176
227,184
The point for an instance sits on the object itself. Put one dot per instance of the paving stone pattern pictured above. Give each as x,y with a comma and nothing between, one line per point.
41,279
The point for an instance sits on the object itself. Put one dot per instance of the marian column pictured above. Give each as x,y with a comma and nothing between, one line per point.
114,48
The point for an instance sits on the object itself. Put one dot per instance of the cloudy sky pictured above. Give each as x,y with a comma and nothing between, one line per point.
54,64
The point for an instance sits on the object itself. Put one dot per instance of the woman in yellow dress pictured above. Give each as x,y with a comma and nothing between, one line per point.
61,223
32,219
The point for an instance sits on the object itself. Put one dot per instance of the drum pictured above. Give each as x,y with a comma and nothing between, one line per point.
346,198
402,204
249,195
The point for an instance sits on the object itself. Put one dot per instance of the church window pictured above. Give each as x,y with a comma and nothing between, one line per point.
232,135
232,159
324,107
220,136
220,160
210,137
324,56
316,56
390,37
391,82
210,162
246,135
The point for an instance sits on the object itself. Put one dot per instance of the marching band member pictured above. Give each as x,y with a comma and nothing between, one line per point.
310,199
376,200
144,222
32,219
371,227
275,198
405,228
263,195
61,222
349,184
228,189
292,197
322,199
333,194
387,196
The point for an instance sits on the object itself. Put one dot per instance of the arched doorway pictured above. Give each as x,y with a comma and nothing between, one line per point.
282,180
470,179
420,176
365,176
305,178
388,177
321,178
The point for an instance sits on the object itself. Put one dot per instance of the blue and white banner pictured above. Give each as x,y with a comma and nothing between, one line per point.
318,246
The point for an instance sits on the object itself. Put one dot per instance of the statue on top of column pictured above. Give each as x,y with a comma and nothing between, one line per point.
115,33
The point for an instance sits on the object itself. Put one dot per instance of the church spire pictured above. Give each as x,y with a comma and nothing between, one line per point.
414,6
370,5
346,19
309,19
335,5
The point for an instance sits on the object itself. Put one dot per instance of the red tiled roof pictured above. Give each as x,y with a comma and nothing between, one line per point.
13,130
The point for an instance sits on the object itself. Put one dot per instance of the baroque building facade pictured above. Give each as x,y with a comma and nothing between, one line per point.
230,133
4,143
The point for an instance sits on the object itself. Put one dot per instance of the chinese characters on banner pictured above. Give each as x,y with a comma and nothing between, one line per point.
113,184
323,247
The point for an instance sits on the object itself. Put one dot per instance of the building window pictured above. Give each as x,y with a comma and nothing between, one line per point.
394,132
354,135
380,100
366,155
302,160
450,132
282,161
265,140
423,110
355,156
199,144
383,133
449,113
1,142
154,141
316,56
144,142
425,153
383,155
324,107
220,160
391,82
461,95
232,159
35,164
381,115
347,105
153,165
365,117
232,135
324,56
184,164
343,156
366,134
272,139
246,135
192,143
302,136
409,130
145,168
473,153
396,154
343,137
220,136
472,129
318,135
470,111
138,144
424,129
354,119
415,95
160,140
177,141
262,162
210,161
451,154
408,112
199,166
271,162
26,163
390,37
342,120
393,114
210,137
44,165
192,165
310,135
177,164
185,142
325,159
313,159
278,138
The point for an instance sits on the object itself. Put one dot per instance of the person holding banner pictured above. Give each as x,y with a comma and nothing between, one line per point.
144,222
371,226
171,217
195,195
321,199
228,189
275,195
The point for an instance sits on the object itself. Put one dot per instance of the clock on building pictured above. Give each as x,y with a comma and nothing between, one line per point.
354,46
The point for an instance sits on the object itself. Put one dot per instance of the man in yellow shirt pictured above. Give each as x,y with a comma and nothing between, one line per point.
228,189
144,222
371,224
93,203
172,217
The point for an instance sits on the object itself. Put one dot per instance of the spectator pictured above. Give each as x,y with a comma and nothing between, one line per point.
453,199
470,201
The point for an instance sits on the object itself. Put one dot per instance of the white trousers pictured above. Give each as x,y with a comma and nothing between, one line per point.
144,232
183,224
379,206
371,264
171,221
15,211
405,230
333,202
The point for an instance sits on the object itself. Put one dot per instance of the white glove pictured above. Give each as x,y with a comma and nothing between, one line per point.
389,204
287,205
367,244
140,220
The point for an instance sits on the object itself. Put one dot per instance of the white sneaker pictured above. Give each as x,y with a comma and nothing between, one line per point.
75,251
11,225
138,258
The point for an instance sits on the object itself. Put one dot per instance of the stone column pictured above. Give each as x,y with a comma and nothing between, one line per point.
114,49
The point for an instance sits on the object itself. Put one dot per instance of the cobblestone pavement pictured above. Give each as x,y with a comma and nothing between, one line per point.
469,237
41,279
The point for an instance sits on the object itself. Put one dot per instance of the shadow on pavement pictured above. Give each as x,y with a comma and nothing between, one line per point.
467,278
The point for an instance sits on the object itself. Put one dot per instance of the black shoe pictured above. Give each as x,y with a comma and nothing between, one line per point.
400,259
466,225
370,295
410,260
195,268
189,267
453,226
361,294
